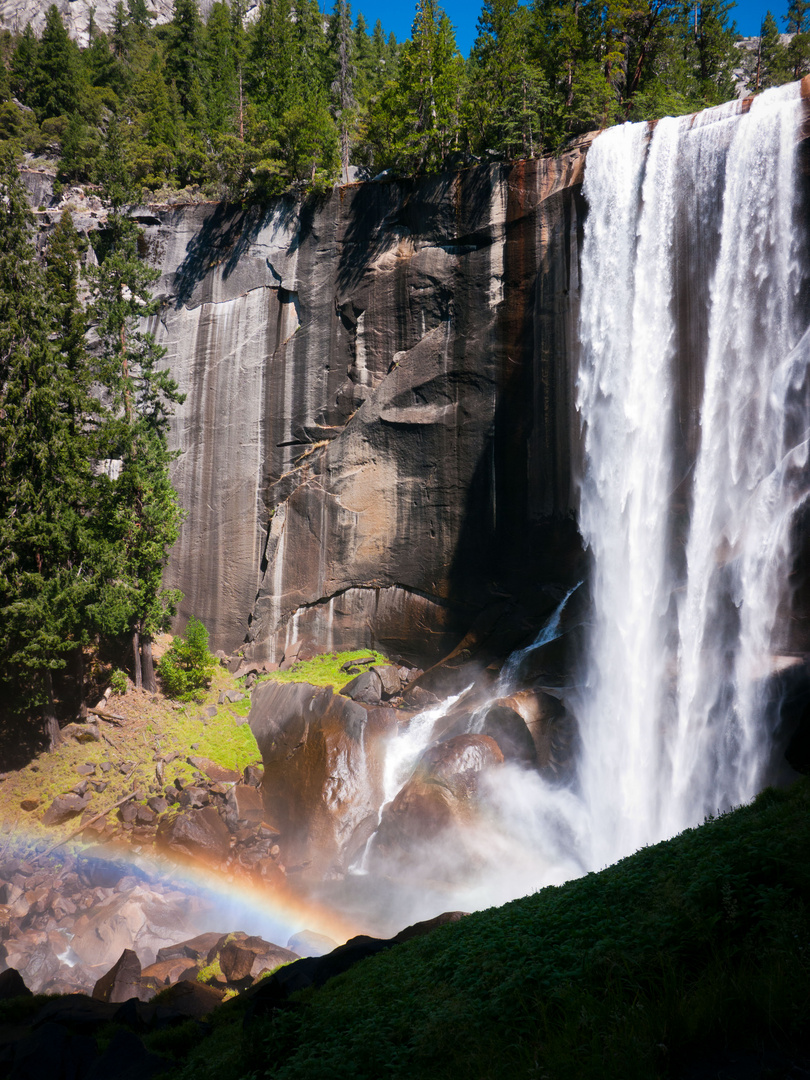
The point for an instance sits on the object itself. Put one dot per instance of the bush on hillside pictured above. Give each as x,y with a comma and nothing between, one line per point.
187,666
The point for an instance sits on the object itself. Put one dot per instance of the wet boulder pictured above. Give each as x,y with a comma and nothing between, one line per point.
322,783
441,792
551,727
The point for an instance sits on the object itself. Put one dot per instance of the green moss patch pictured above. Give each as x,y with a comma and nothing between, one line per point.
325,670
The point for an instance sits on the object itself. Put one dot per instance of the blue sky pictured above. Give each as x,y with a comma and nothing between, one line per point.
397,15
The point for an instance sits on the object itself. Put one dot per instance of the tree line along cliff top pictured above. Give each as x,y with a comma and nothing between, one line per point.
245,109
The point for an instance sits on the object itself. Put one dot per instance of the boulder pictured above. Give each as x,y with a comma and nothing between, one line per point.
166,972
65,807
441,793
194,797
390,679
253,775
196,948
508,728
243,807
12,985
366,687
551,727
200,833
80,733
311,943
243,958
123,981
322,783
215,771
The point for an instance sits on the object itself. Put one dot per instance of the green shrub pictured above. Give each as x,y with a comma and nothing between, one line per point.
119,682
187,666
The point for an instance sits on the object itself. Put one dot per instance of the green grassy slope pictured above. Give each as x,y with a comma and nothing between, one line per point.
686,948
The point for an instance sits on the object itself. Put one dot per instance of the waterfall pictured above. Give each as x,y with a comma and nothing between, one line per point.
680,643
693,392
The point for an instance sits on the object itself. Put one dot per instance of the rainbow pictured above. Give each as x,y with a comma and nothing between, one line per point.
232,901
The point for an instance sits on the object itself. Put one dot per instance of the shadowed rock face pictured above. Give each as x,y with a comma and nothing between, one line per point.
377,436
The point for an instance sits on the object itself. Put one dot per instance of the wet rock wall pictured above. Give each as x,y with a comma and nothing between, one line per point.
378,436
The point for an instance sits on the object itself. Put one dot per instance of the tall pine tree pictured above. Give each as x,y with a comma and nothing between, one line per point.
47,548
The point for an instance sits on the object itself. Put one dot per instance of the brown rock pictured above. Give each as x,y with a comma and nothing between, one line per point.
196,948
366,687
196,832
128,812
243,807
145,815
253,775
29,804
166,972
123,981
389,677
63,808
194,796
214,771
440,793
81,733
236,962
322,780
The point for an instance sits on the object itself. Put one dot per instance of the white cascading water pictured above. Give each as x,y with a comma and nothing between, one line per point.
689,530
671,718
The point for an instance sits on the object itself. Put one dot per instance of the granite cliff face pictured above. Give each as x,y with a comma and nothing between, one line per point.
377,441
16,14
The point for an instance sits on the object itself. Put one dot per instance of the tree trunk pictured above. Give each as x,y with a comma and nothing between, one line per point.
149,680
80,683
49,721
136,660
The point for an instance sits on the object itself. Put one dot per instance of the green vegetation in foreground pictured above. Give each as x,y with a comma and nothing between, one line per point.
686,948
325,670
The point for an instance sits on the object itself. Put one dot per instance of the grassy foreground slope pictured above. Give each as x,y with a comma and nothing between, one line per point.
697,947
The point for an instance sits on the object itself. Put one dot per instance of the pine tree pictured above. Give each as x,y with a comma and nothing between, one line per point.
23,75
773,63
365,75
57,80
47,581
415,122
224,58
797,23
185,65
507,94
